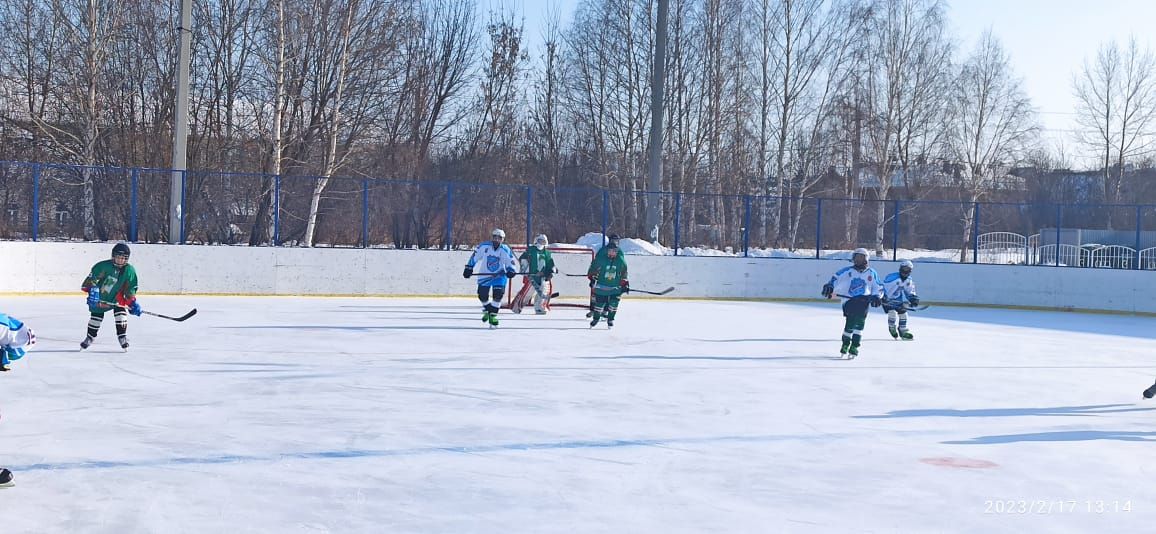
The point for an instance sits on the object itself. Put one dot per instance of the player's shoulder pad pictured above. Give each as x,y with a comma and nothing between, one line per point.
844,270
10,322
891,277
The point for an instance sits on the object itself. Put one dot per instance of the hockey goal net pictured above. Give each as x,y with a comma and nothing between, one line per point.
569,281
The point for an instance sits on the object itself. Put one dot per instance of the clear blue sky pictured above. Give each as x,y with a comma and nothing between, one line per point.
1047,40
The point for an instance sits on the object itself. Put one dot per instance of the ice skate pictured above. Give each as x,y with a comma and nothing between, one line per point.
123,342
493,321
906,335
852,352
894,332
609,324
1150,392
846,346
86,343
6,479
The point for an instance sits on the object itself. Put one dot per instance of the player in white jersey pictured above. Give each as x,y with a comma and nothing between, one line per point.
16,339
495,264
899,288
859,286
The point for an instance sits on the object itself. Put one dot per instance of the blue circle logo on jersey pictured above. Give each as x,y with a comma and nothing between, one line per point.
857,286
492,263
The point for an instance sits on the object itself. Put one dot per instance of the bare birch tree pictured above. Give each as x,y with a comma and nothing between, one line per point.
795,40
992,125
907,39
1116,109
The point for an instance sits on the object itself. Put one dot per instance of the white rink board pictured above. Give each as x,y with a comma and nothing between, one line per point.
364,415
60,267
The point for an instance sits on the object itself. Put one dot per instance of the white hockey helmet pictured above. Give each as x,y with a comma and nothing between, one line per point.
906,264
860,252
498,233
541,241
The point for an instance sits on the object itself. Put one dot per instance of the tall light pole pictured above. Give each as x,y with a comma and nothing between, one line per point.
180,121
657,96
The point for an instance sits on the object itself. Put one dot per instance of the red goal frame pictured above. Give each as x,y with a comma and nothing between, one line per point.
582,255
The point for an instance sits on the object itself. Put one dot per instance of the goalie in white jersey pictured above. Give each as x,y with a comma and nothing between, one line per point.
859,286
899,288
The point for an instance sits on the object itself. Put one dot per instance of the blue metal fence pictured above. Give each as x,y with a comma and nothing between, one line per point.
69,202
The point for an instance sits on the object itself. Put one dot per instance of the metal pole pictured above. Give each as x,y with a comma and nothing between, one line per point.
276,210
1138,224
605,212
529,215
35,201
180,123
449,216
657,94
134,213
184,175
1059,221
677,221
895,233
818,228
975,235
365,213
746,226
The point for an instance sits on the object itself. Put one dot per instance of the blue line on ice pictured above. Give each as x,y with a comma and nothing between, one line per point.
378,453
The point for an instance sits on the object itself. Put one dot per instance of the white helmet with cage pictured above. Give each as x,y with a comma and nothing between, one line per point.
498,233
541,241
905,267
855,257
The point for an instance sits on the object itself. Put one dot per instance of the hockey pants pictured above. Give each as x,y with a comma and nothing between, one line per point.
899,316
120,315
855,316
606,305
489,305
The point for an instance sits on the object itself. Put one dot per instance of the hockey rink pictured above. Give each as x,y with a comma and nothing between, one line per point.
360,415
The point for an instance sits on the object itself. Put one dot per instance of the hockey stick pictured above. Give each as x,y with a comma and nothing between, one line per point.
178,319
500,274
920,308
663,292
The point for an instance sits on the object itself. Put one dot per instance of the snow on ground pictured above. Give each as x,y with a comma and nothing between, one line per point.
641,247
406,415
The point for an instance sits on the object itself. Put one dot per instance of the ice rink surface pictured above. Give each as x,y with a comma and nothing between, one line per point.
287,415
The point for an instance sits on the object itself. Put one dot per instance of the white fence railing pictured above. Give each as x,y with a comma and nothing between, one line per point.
1003,248
1148,259
1017,249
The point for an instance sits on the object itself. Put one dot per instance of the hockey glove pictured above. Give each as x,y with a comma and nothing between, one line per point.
876,301
468,272
914,300
510,273
828,290
134,308
624,286
93,297
591,277
547,276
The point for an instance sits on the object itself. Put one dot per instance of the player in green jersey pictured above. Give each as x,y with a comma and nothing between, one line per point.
111,285
607,274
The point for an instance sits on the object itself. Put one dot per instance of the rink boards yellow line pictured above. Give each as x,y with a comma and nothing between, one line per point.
75,294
